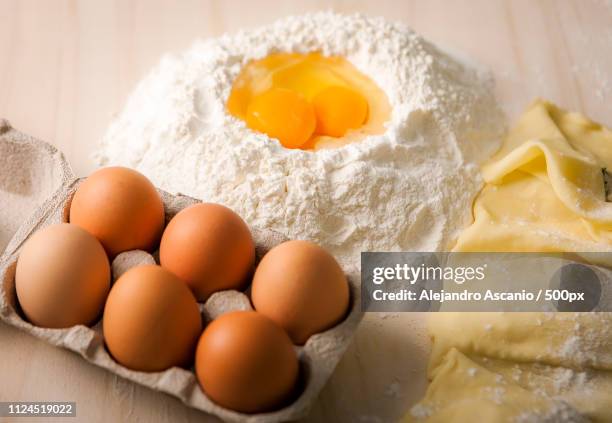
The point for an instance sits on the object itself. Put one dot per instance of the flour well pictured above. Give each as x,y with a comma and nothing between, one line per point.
407,189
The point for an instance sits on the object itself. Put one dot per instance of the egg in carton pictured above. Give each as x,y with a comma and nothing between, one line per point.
42,173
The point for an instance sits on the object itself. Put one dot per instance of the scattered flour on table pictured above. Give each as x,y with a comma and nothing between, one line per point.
408,189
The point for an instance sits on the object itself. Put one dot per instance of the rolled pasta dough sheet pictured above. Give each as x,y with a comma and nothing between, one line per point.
573,340
587,391
545,192
463,390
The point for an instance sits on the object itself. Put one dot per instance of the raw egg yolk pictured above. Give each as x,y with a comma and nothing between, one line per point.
283,114
308,101
339,109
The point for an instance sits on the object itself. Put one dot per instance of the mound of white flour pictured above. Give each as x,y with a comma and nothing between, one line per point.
408,189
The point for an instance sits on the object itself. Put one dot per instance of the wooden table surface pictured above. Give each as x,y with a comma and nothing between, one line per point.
67,66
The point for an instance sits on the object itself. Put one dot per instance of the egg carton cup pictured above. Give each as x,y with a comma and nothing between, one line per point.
318,357
31,172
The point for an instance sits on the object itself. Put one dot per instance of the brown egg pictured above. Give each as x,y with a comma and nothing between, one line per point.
209,247
246,363
121,208
301,287
151,320
62,277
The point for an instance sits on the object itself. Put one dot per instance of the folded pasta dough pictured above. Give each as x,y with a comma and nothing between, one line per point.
545,187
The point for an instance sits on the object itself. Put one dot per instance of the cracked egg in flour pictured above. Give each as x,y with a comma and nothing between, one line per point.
308,101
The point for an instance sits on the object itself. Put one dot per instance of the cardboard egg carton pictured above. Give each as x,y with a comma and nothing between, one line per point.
318,357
